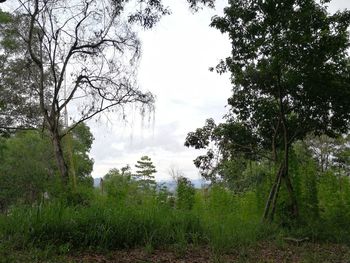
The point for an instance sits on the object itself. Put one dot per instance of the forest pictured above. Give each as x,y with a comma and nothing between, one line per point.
276,167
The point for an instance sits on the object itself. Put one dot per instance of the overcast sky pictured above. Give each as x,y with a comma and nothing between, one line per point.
174,67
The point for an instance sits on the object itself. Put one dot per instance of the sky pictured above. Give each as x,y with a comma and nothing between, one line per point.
176,56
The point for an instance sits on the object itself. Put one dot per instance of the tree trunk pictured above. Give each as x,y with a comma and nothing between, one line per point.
271,195
275,197
286,142
61,163
283,170
285,174
271,202
275,187
295,209
71,162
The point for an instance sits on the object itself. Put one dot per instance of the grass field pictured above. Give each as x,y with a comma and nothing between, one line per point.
219,227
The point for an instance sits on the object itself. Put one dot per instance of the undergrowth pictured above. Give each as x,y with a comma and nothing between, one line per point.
218,220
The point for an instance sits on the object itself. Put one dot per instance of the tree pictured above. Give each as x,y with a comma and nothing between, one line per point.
331,153
145,172
232,156
290,75
91,47
76,150
304,172
185,193
18,107
103,50
119,184
28,168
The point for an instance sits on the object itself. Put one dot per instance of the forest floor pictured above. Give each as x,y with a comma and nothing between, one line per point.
263,252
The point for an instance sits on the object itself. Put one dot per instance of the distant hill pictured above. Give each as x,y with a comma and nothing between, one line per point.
170,184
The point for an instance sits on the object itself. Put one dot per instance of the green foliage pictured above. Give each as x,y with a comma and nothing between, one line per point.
334,203
232,220
77,146
324,198
331,153
28,169
4,17
144,174
283,49
10,41
110,225
304,173
185,193
82,195
102,226
219,218
17,104
290,75
220,199
120,187
164,196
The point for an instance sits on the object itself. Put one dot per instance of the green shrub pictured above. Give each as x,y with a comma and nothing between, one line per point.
185,193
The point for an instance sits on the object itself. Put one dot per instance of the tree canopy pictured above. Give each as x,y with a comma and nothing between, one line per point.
28,168
145,172
290,76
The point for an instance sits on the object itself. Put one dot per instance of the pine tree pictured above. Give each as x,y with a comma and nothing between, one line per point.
145,172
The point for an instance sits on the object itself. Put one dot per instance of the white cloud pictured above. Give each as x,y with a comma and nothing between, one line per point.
174,66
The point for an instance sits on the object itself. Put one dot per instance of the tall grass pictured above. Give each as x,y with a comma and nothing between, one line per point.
104,226
219,220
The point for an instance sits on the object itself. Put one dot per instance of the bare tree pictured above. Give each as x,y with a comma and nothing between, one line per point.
90,54
85,55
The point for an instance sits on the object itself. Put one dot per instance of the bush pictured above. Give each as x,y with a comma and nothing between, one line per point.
185,193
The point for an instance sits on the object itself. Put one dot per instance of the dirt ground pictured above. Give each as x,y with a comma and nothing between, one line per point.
264,252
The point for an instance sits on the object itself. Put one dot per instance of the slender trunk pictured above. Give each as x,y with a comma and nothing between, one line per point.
271,195
275,187
275,197
62,166
285,174
283,171
295,209
71,161
274,137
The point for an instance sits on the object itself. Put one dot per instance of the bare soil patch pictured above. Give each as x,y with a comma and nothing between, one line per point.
263,252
